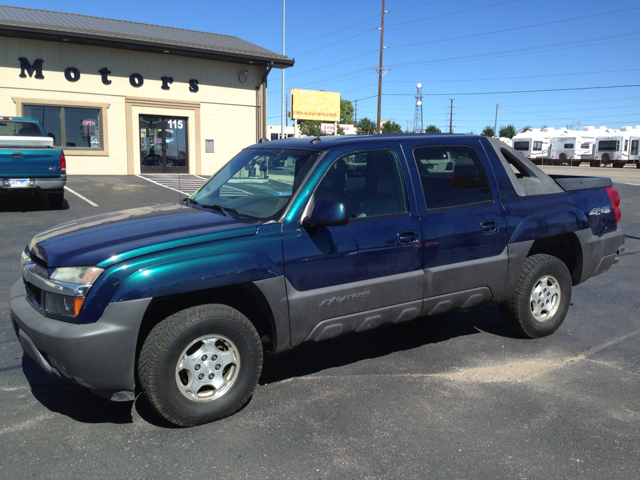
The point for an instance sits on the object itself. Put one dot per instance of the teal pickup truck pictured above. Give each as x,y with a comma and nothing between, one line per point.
29,163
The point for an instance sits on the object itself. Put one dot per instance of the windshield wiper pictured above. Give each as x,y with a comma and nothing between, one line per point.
224,210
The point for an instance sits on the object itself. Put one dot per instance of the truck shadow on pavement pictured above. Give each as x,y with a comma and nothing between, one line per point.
71,400
314,357
28,203
78,403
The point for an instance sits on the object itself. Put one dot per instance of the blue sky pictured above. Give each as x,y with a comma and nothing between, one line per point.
472,51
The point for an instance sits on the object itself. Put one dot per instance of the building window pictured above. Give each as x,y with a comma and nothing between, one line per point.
71,127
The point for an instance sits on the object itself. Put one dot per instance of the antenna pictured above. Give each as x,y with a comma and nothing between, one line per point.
417,116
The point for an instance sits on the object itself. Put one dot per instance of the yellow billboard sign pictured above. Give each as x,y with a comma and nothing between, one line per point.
315,105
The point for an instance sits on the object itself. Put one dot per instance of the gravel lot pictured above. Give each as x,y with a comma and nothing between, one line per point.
451,396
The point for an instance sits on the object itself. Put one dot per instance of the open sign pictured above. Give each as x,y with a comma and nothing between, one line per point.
89,122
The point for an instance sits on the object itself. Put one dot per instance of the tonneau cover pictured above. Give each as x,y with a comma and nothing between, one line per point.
25,142
581,183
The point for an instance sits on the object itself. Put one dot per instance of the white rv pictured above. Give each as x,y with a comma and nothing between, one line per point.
618,148
576,146
534,144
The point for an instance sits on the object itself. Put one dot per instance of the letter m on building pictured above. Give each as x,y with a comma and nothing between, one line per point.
25,66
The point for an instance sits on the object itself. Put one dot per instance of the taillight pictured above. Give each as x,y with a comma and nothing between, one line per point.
614,196
63,163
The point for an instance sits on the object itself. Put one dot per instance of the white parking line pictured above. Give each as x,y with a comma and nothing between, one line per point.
80,196
161,185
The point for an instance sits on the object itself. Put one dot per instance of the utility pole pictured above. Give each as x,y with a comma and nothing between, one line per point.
495,125
381,71
451,117
282,114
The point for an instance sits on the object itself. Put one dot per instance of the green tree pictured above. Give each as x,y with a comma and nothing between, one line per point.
346,111
526,129
432,129
310,128
488,132
509,131
366,126
391,127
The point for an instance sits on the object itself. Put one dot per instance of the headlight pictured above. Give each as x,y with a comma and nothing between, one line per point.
25,257
76,275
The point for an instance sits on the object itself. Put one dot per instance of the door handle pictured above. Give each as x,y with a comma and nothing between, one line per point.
489,227
407,238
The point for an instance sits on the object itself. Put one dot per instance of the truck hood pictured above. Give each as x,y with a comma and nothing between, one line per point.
112,237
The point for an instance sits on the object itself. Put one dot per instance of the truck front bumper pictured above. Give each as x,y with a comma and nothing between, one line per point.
99,356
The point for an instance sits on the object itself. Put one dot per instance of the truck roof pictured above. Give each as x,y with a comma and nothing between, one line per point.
329,141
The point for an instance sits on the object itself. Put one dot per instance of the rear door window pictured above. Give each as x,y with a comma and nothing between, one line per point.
451,176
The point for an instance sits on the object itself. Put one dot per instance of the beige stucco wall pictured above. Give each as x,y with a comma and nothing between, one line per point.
224,108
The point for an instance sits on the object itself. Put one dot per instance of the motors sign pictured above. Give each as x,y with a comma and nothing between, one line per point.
72,75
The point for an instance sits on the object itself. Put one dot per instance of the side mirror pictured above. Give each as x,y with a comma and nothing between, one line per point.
328,213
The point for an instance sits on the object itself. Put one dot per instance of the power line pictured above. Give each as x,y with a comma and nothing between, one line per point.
451,13
514,28
520,78
519,51
518,91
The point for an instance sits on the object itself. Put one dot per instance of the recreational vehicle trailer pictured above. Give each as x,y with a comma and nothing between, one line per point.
576,147
534,144
617,148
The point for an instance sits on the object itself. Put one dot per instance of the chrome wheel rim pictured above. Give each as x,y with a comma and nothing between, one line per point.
207,368
545,298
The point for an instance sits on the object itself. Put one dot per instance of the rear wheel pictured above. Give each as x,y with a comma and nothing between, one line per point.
542,297
618,164
200,364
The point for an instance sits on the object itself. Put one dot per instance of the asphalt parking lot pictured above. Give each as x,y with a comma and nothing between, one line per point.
450,396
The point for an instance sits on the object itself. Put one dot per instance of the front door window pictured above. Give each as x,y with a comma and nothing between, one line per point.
163,144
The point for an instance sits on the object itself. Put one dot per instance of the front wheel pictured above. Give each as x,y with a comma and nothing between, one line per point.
542,297
200,364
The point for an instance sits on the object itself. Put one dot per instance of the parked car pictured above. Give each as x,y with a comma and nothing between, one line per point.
29,163
181,300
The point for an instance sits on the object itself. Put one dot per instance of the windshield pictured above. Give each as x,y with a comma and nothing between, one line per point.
257,184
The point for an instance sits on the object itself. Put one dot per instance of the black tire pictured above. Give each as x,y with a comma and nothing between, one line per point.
547,276
637,164
618,164
56,199
215,341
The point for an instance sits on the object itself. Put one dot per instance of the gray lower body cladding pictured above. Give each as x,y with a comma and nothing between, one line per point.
99,356
598,253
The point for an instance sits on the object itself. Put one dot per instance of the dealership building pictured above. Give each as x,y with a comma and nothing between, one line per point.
128,98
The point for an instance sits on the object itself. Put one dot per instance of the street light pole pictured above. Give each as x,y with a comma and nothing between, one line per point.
380,70
495,125
282,114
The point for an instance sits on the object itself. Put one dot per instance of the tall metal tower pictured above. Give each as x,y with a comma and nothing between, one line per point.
417,116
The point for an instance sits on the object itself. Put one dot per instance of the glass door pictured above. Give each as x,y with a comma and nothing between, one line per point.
163,144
